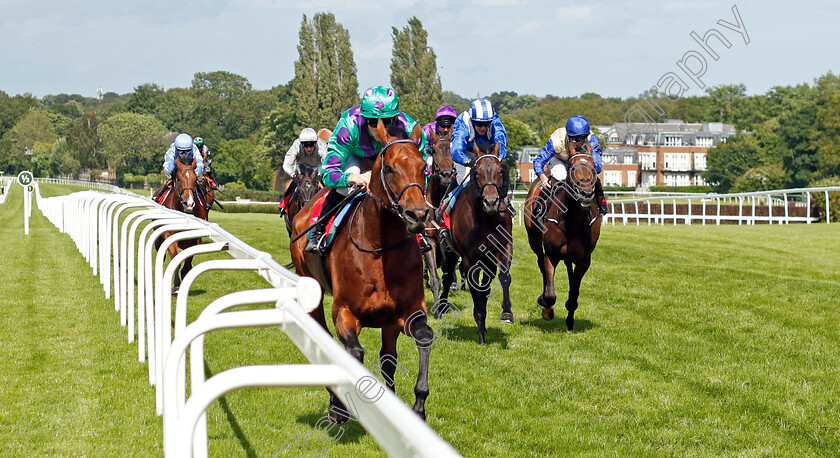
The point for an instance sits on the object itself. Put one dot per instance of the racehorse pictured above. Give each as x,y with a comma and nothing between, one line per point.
183,197
308,182
566,228
481,234
374,268
443,172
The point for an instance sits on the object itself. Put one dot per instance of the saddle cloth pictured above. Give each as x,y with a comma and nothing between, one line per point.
336,219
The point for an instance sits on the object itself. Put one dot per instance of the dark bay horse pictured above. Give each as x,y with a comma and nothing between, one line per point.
481,235
374,268
443,172
567,230
308,183
184,198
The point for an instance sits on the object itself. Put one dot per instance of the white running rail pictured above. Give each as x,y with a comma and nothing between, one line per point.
93,221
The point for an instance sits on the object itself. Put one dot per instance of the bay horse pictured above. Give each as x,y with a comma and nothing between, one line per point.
308,183
481,235
567,230
443,172
183,197
373,268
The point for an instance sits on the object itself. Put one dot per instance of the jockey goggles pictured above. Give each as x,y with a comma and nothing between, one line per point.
373,122
481,123
578,138
308,144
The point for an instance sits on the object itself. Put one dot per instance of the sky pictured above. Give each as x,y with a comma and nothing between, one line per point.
563,48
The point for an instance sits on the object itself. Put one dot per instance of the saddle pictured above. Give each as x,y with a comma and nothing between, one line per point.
335,220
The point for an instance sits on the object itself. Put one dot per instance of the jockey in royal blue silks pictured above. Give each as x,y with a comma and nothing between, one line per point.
442,126
354,136
479,125
555,157
184,148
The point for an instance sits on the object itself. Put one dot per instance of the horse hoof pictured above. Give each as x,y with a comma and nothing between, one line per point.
421,414
548,313
506,317
175,290
338,418
570,323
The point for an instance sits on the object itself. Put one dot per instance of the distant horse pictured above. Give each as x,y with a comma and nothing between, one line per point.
567,229
443,172
184,198
308,182
481,234
374,268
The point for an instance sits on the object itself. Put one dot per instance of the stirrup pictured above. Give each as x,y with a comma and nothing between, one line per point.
316,244
425,244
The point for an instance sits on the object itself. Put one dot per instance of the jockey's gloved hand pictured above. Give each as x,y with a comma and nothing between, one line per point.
469,163
167,175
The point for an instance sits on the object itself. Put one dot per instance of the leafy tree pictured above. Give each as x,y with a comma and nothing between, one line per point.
133,143
457,102
239,161
828,142
84,142
325,83
145,99
278,133
414,73
32,128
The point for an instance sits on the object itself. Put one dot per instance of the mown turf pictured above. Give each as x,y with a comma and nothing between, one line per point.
715,340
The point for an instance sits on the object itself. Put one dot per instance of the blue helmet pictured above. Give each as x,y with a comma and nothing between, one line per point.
576,126
184,142
481,110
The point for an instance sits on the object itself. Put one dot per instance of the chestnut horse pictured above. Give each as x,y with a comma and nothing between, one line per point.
566,229
308,181
184,198
481,235
443,172
374,268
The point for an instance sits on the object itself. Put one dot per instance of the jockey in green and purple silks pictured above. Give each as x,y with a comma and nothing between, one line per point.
354,137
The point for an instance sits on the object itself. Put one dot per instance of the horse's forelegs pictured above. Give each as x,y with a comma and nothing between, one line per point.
173,251
388,355
479,289
347,329
424,338
575,277
548,297
442,302
431,268
504,278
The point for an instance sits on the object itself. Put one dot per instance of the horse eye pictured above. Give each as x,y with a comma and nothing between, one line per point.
387,170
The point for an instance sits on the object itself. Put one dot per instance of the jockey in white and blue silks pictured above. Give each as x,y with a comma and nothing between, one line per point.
184,148
479,125
555,155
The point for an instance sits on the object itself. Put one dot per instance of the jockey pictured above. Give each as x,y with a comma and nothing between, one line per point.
307,149
477,126
186,151
205,153
555,156
442,126
354,136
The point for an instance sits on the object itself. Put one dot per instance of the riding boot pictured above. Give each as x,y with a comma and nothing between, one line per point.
317,238
601,198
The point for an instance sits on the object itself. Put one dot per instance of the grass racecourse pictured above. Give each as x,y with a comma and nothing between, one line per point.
690,341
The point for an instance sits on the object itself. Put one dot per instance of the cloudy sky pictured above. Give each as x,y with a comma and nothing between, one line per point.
565,48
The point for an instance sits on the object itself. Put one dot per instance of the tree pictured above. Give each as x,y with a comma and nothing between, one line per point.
84,142
325,83
239,161
32,128
414,73
145,99
278,133
828,126
133,143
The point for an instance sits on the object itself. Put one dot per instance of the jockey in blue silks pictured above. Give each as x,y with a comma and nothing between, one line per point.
555,155
184,148
479,125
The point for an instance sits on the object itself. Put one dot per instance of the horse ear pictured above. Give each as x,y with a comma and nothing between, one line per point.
325,134
505,178
382,132
416,134
433,136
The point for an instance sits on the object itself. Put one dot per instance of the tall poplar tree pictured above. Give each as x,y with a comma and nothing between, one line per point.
414,72
325,81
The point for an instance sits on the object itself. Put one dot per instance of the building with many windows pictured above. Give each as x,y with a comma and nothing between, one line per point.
670,153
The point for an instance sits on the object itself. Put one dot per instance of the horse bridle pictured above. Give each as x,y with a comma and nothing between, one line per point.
437,172
394,203
489,183
578,188
178,184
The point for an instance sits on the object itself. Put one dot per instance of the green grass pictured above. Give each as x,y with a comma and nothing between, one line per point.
690,340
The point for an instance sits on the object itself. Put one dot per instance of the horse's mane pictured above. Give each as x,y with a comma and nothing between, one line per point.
395,130
484,149
305,169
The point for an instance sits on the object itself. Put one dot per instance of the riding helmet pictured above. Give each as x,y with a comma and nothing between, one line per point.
481,110
198,141
308,135
184,142
576,126
380,102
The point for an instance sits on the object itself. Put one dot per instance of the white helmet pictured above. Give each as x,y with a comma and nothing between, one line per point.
308,135
183,142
